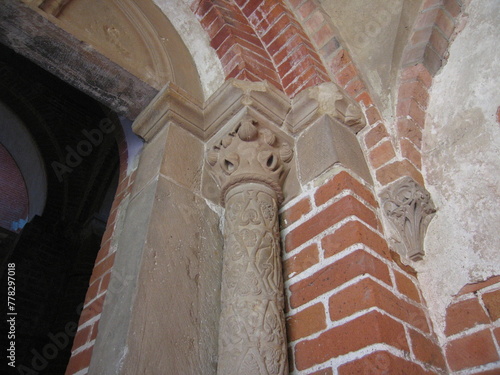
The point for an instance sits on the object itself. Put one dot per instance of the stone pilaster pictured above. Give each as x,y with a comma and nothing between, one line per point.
250,165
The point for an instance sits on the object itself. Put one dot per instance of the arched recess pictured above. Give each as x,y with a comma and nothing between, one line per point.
76,144
135,35
17,140
14,204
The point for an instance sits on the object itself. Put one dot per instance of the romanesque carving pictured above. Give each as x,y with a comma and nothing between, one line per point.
249,154
332,101
250,165
410,209
252,326
326,99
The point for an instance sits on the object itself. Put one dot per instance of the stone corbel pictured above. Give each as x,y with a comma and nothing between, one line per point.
325,99
325,121
250,164
409,208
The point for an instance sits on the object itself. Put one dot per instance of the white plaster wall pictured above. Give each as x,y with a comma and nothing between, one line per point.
375,33
197,41
461,162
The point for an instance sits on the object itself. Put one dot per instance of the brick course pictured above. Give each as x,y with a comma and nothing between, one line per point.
382,363
472,350
99,281
473,336
336,274
366,330
368,298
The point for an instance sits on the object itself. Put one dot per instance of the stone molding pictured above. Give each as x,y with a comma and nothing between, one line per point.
171,104
325,99
236,97
409,208
232,100
73,61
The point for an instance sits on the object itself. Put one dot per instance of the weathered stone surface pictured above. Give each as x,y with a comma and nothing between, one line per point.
375,33
176,154
183,158
171,104
235,96
197,41
168,266
251,152
151,161
460,154
114,327
325,143
167,278
325,99
252,336
177,302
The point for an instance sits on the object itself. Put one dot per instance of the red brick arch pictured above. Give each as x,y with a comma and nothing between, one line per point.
261,40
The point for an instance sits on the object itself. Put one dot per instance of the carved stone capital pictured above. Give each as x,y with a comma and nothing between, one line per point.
409,208
250,153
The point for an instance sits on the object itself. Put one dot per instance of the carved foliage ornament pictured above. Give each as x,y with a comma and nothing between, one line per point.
332,101
250,154
409,208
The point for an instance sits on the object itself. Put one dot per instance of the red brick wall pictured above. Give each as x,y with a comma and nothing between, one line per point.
472,331
14,203
88,324
350,307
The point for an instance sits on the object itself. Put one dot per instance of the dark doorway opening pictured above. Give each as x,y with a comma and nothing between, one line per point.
50,260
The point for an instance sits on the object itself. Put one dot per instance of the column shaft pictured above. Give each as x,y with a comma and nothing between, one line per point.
252,326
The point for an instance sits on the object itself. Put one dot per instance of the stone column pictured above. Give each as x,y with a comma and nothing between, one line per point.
250,164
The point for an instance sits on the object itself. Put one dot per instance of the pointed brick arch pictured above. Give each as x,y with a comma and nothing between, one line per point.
261,40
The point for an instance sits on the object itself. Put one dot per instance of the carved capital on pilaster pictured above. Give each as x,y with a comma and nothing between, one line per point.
250,153
409,208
